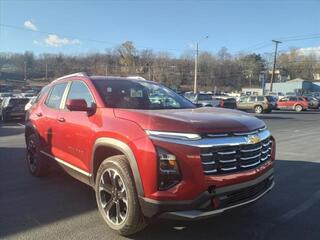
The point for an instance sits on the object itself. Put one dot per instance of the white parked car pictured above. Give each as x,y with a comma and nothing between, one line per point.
30,103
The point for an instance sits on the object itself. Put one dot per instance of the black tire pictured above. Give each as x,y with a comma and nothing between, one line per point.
36,163
258,109
120,200
298,108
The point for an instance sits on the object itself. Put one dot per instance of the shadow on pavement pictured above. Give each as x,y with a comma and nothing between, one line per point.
294,112
273,117
27,202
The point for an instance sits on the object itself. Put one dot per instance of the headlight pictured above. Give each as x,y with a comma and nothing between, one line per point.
169,173
174,135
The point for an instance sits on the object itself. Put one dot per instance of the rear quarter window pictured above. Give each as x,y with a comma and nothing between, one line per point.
54,98
43,91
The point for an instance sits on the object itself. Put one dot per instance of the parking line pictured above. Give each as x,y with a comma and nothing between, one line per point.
20,124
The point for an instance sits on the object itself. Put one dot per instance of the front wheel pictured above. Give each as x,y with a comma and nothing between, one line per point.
36,164
298,108
117,198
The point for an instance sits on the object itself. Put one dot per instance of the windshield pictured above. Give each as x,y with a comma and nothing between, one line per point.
18,101
204,97
139,95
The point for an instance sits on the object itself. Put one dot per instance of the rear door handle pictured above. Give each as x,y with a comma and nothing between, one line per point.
61,119
39,114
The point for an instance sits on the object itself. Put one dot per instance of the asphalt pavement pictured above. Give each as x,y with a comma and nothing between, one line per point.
60,207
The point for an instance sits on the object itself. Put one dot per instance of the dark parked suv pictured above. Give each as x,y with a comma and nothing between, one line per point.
146,151
12,108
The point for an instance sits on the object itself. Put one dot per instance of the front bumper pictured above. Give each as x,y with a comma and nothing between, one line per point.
211,202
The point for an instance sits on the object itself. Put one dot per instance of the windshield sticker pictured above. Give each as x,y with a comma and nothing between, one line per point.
136,93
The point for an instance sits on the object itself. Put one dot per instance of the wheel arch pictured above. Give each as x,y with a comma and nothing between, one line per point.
297,104
107,147
29,129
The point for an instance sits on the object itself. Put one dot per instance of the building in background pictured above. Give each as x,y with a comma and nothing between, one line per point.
298,86
252,91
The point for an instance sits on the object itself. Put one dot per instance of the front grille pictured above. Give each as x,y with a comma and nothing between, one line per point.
230,159
245,194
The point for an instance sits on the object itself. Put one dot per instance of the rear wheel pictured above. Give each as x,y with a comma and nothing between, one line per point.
117,198
298,108
258,109
37,165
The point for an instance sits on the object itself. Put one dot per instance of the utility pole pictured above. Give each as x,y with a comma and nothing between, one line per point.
196,60
46,71
106,70
25,71
196,69
274,62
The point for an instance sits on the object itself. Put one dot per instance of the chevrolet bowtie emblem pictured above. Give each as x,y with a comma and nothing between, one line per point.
253,139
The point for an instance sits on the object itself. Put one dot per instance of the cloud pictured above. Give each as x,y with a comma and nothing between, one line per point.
29,25
56,41
37,42
309,51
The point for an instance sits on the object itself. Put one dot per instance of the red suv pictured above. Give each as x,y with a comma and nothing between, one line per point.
147,151
293,103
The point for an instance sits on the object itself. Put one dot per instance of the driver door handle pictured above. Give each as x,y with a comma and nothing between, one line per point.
61,119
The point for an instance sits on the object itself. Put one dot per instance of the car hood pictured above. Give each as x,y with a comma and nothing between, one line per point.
198,120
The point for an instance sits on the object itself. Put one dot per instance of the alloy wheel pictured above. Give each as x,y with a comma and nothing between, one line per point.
258,109
113,196
31,155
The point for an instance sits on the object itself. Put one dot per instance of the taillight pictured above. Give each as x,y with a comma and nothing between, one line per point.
221,104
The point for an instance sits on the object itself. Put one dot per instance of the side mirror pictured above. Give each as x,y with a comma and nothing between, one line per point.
77,105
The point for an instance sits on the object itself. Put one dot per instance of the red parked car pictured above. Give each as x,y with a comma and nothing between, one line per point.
147,151
293,103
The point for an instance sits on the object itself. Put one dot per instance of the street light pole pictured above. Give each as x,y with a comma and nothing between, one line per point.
196,60
25,70
274,63
196,68
46,71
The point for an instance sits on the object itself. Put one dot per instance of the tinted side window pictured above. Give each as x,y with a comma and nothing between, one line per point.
54,99
243,99
43,91
252,99
260,99
292,99
79,90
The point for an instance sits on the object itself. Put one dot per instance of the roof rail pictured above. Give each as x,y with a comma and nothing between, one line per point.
78,74
136,77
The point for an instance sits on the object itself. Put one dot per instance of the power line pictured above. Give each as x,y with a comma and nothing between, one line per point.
252,48
86,39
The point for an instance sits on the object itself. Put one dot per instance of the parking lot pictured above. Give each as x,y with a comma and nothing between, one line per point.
59,207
